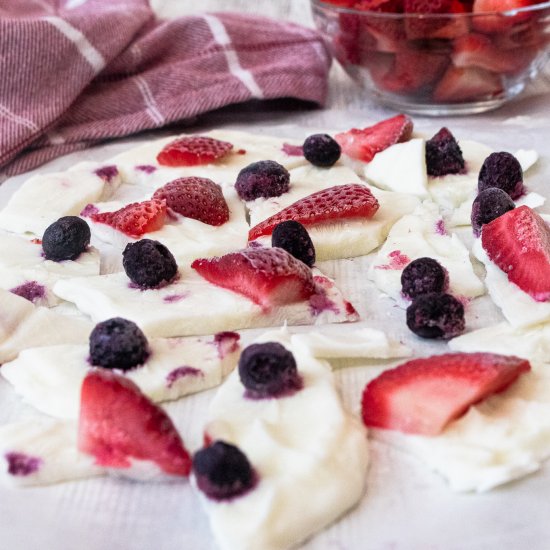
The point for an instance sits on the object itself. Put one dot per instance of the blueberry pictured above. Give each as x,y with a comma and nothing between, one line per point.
488,206
149,263
443,154
502,170
265,178
294,238
436,315
118,344
222,471
423,275
268,370
321,150
66,239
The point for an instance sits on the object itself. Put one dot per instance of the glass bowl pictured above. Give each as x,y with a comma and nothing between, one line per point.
437,64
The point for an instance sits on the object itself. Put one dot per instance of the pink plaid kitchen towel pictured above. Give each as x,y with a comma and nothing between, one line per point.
76,72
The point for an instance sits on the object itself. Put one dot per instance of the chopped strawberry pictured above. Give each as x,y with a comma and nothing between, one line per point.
478,50
498,22
197,198
135,219
335,203
383,34
519,243
267,276
364,144
193,150
446,26
467,84
423,395
118,424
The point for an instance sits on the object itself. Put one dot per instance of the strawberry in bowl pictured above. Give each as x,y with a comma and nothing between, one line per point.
438,56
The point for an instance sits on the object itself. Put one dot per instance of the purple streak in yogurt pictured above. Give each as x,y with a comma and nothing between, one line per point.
293,150
227,342
172,298
181,372
147,168
321,302
440,228
20,464
30,290
89,210
107,173
397,260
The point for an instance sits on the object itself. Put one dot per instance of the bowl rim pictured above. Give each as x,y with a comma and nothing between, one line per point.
541,6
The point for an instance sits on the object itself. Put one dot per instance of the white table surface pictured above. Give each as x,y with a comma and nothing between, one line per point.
406,507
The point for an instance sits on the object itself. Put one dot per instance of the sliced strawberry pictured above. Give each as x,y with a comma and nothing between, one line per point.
193,150
380,33
423,395
267,276
446,26
335,203
364,144
498,22
478,50
118,424
519,243
135,219
467,84
197,198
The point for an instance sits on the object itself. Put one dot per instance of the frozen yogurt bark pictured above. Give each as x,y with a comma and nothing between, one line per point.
309,454
50,378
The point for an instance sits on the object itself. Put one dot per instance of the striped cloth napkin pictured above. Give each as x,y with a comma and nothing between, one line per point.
76,72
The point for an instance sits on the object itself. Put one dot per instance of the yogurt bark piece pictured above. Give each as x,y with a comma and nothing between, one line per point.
309,453
50,378
192,306
23,325
42,451
423,234
25,271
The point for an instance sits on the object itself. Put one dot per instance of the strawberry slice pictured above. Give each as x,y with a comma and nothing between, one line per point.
193,150
423,395
267,276
335,203
118,424
197,198
445,26
467,84
499,22
364,144
519,243
135,219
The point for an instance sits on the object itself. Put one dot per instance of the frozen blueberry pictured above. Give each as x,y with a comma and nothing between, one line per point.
436,315
502,170
268,370
222,471
423,275
265,178
488,206
118,344
294,238
321,150
66,239
443,154
149,263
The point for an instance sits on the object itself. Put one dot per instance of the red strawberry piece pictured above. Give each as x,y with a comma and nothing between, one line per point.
341,3
498,22
335,203
197,198
364,144
414,70
381,33
424,395
118,423
379,65
467,84
135,219
478,50
267,276
446,26
193,150
519,243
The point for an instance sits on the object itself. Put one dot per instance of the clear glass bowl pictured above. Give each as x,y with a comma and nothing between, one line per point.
438,64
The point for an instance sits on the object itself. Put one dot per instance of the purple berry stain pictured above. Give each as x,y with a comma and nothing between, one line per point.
107,173
440,228
172,298
89,210
397,260
20,464
30,290
147,168
227,342
293,150
181,372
